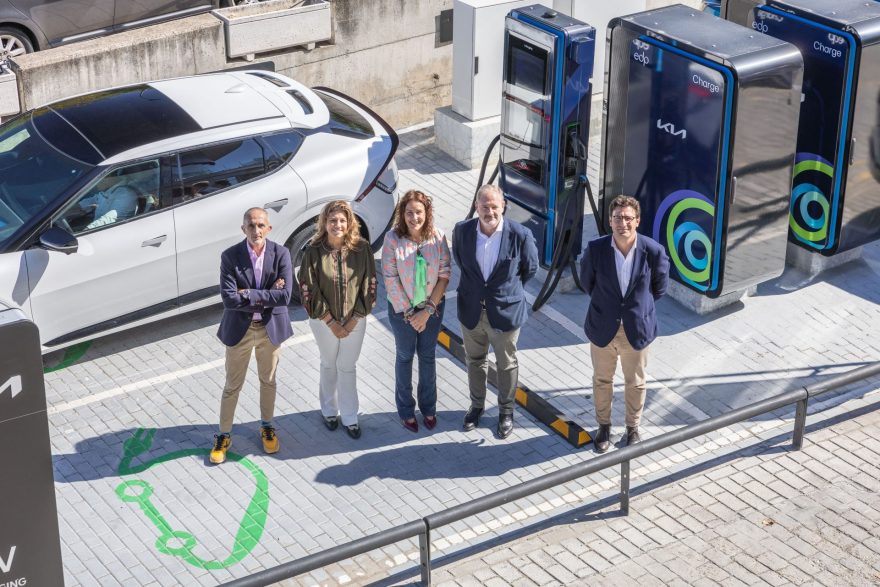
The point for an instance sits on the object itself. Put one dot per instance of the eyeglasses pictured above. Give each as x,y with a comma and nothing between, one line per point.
626,219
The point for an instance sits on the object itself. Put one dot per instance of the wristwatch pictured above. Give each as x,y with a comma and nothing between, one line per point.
430,309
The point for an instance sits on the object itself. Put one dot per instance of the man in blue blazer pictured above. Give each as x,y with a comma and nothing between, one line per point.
496,256
624,273
256,277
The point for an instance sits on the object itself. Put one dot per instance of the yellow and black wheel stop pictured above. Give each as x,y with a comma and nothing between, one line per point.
533,403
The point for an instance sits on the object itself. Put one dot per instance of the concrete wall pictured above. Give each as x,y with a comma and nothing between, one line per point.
183,47
385,53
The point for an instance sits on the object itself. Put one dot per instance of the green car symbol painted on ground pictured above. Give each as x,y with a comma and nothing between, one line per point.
181,543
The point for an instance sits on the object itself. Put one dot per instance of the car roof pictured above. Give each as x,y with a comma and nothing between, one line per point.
217,100
126,119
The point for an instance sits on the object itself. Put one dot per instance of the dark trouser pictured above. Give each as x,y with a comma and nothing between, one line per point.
410,343
476,348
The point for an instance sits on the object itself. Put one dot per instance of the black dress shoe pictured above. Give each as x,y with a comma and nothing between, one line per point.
472,418
603,438
632,435
331,422
505,425
354,431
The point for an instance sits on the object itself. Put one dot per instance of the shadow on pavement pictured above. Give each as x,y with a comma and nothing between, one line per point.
384,447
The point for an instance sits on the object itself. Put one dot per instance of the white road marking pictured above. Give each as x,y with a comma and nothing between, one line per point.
173,376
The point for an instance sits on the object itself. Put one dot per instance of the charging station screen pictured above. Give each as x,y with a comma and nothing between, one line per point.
674,128
527,66
826,57
525,110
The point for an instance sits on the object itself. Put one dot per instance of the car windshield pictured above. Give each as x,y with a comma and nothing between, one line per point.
32,175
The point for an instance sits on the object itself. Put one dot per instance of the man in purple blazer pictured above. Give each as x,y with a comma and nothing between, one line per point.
624,273
256,277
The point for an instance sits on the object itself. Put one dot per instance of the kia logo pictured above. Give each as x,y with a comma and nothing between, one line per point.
670,128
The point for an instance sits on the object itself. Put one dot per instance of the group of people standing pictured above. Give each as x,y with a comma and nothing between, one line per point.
623,272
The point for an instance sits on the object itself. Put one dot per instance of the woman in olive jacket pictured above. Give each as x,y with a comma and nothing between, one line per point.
337,281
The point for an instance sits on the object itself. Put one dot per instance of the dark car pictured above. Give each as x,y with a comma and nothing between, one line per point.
31,25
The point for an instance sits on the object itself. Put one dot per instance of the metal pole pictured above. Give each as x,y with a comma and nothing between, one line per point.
624,488
800,423
425,550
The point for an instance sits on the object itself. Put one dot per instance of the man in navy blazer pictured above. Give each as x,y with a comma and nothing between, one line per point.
624,273
496,256
256,277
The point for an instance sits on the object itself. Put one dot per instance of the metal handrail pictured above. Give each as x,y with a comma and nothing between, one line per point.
422,528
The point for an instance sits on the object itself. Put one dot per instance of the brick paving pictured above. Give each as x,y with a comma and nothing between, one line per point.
806,517
325,489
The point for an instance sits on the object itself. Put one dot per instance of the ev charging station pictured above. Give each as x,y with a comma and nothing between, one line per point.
700,126
835,196
30,547
545,116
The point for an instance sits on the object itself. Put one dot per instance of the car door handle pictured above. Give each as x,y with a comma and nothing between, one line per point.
154,242
276,205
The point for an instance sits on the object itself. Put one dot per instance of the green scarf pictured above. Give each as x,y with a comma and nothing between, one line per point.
421,281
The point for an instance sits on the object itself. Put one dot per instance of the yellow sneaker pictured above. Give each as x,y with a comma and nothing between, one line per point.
270,439
222,442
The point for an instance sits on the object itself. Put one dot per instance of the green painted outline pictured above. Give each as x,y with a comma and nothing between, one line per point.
71,356
685,204
250,529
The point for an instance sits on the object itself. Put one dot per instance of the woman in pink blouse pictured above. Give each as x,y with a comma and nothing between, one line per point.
416,266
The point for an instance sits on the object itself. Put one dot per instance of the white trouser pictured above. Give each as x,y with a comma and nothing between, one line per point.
338,382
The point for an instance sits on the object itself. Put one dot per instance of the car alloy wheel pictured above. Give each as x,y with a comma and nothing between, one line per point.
13,43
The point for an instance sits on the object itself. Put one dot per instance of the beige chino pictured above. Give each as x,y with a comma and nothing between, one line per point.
633,364
238,357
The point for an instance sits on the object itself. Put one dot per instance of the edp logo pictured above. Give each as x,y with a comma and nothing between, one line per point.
641,58
641,45
836,39
760,26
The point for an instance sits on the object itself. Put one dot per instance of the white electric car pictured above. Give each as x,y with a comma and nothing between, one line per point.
116,205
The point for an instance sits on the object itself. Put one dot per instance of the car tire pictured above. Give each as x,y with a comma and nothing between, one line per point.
296,245
14,42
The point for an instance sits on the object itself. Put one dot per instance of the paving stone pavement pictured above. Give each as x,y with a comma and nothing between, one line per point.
766,515
325,489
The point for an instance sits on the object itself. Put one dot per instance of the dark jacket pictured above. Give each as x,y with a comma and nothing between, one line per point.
503,292
608,308
236,272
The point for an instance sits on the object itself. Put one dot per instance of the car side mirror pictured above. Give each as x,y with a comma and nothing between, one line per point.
58,239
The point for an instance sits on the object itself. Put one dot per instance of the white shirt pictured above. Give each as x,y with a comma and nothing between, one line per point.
488,248
257,264
624,264
117,203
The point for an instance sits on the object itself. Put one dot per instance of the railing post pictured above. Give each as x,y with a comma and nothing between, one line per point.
800,423
624,488
425,550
